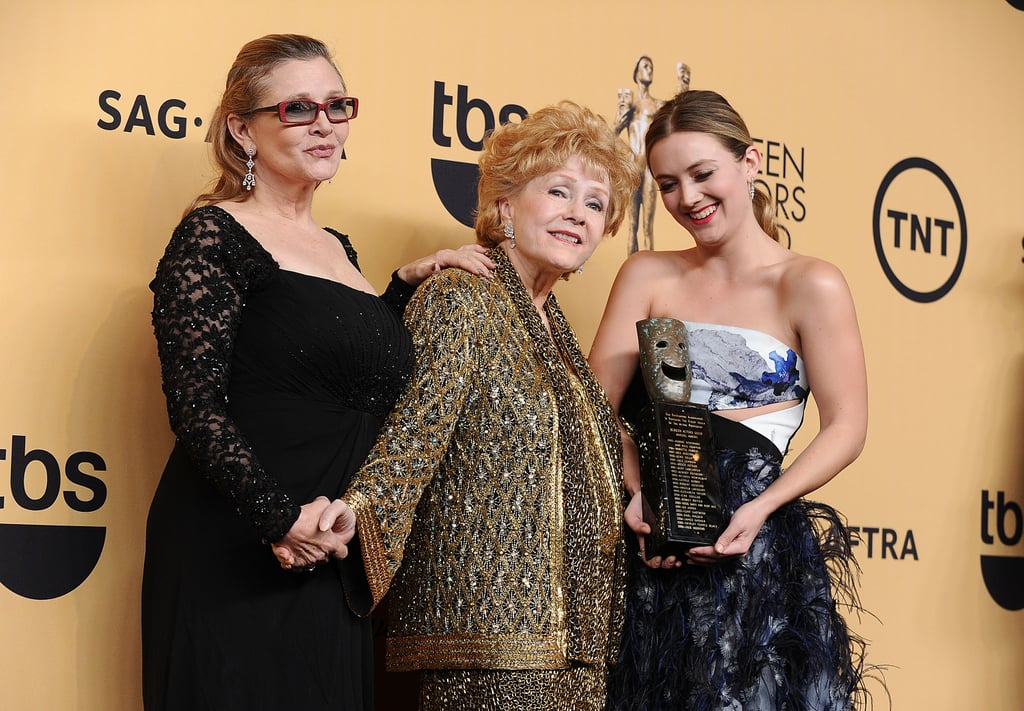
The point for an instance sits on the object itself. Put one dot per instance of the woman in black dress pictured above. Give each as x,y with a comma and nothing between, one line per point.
279,362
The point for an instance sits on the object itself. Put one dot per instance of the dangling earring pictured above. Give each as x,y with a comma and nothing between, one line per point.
249,180
752,190
580,270
510,234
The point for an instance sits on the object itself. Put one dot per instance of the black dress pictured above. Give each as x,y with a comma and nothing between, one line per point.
276,385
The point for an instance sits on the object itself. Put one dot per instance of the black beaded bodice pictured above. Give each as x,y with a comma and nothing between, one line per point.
235,331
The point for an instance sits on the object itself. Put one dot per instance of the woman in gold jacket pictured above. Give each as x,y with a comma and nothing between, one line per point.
491,504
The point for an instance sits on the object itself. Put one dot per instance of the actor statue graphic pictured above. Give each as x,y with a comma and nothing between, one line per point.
683,75
633,115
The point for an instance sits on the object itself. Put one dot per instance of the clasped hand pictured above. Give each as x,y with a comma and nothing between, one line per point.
322,531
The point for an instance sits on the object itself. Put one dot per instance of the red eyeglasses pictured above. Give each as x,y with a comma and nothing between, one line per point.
299,112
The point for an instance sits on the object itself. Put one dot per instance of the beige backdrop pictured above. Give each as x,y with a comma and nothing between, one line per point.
848,89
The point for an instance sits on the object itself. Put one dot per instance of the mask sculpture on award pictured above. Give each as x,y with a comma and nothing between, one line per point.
678,475
664,359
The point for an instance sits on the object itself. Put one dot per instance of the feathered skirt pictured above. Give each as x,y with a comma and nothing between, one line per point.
758,633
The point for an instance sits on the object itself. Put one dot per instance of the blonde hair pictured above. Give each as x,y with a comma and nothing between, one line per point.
708,112
246,83
516,153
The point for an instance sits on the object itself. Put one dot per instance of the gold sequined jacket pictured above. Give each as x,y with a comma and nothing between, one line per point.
491,502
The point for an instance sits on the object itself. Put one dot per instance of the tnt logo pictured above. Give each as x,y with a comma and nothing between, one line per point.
1004,575
43,562
455,181
920,230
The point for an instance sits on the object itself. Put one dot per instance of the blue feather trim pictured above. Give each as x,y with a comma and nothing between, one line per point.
761,633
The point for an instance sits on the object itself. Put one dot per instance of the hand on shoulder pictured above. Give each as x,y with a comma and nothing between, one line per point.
471,258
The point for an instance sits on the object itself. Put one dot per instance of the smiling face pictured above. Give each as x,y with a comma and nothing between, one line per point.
664,359
287,154
703,186
683,73
559,219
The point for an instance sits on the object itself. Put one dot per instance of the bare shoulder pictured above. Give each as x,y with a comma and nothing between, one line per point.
646,265
818,303
811,277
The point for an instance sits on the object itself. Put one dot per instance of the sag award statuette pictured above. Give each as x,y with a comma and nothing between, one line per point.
678,474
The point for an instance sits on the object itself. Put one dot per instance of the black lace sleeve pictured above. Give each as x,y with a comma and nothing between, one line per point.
397,294
199,289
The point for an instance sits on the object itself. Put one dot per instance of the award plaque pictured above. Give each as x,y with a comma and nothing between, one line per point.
678,471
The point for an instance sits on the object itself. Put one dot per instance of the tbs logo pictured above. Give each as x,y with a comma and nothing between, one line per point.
1004,575
43,562
454,181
